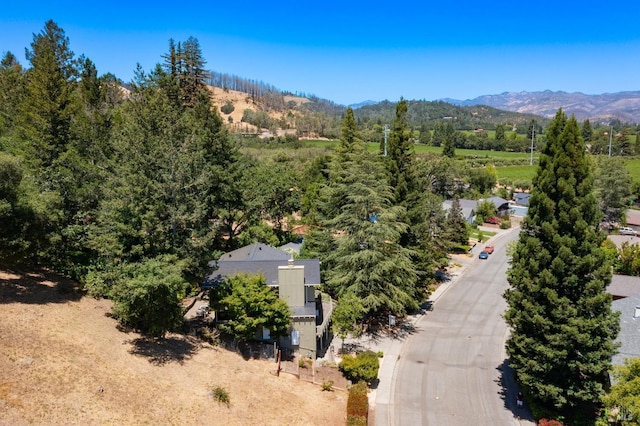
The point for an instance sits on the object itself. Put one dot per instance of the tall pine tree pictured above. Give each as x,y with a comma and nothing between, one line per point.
562,324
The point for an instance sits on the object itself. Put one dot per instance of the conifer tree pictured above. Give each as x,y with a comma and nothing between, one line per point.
349,133
401,155
587,131
369,260
11,91
362,224
562,324
457,231
48,107
192,73
448,142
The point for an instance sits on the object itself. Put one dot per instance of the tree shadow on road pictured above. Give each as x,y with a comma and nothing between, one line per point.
508,391
164,350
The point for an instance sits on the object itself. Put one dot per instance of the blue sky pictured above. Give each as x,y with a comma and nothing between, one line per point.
351,51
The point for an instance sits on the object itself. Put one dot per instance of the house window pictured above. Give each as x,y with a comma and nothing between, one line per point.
266,333
295,338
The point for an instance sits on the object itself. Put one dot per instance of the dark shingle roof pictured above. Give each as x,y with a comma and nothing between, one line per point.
256,251
266,268
629,337
624,286
260,259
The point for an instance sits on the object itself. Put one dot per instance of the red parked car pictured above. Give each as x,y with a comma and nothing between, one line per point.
489,249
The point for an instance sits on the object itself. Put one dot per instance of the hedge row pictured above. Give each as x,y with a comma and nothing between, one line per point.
357,405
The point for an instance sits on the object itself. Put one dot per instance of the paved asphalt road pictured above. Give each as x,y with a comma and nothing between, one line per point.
452,371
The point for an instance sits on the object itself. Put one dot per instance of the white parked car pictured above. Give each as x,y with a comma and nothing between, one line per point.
625,230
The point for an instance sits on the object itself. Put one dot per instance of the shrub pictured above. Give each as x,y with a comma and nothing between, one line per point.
227,108
327,385
362,367
221,395
505,223
545,422
357,404
356,421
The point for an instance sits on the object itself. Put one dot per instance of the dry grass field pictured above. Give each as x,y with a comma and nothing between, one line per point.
64,361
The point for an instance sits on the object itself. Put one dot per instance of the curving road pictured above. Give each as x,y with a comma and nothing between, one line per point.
452,371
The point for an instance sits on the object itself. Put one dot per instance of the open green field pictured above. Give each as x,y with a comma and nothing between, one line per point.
512,173
425,149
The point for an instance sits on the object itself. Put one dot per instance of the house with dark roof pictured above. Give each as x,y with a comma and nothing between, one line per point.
622,286
295,281
625,290
629,336
470,207
521,198
632,219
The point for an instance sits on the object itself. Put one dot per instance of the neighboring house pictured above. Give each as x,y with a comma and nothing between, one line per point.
629,336
502,205
521,198
618,240
626,300
469,207
623,286
295,281
632,218
292,248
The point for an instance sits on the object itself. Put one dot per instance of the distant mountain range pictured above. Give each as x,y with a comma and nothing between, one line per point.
361,104
624,106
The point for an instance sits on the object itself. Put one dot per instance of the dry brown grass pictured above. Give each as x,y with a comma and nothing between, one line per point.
63,360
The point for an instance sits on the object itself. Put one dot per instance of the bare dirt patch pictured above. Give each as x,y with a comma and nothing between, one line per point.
63,360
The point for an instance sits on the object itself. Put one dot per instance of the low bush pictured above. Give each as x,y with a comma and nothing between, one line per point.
505,223
362,367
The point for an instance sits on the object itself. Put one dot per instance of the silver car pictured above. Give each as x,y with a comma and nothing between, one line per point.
625,230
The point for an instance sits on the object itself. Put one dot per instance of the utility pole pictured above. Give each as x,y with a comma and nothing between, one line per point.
386,136
533,134
610,139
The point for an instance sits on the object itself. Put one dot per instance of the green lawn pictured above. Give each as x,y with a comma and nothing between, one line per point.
517,173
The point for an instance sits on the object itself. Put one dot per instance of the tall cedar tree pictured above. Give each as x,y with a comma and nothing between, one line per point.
401,155
563,328
369,260
182,75
360,217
